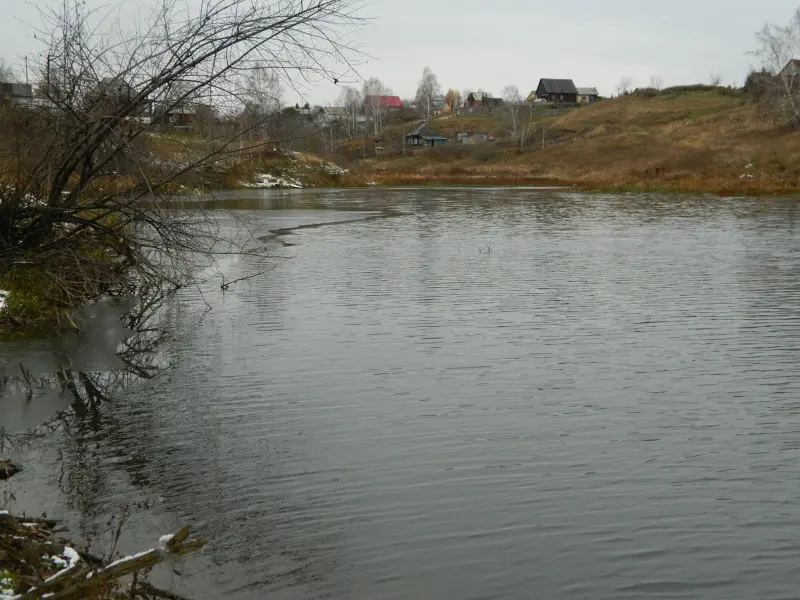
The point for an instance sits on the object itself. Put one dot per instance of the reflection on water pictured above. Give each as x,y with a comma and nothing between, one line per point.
484,394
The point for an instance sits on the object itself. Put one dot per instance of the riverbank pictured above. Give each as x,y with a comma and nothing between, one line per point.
37,563
708,141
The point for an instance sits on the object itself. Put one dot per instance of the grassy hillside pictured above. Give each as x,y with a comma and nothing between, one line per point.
709,141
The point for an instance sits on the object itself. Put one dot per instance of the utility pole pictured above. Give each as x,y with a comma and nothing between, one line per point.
26,70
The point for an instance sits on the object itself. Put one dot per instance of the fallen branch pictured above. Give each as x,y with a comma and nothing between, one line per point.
23,540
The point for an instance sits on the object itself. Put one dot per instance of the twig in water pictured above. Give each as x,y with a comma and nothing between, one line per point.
225,286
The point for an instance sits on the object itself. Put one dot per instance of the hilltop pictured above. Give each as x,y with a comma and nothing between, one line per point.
686,140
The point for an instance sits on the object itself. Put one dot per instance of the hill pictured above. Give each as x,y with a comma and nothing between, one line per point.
707,140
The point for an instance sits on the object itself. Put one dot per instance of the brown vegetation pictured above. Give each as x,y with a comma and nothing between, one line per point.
682,140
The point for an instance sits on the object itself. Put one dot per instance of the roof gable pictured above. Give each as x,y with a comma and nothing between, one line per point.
556,86
383,101
424,131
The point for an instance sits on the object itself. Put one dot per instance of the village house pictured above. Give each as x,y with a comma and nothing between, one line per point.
391,103
557,90
472,137
183,116
587,95
424,137
481,102
16,93
438,105
791,70
113,93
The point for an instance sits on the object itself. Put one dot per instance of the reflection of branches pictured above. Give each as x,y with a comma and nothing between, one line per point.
87,389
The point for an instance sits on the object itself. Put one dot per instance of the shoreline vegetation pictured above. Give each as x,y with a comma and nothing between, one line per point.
708,141
695,140
36,562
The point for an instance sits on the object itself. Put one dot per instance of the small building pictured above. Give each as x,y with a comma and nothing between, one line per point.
183,116
425,137
587,95
438,105
557,90
392,103
472,137
475,99
791,70
16,93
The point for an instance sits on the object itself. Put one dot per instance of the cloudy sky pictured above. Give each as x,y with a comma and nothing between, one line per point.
489,44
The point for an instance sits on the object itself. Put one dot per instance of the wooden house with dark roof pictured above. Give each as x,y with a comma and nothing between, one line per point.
557,90
425,137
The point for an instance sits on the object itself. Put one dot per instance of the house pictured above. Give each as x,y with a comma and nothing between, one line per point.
476,99
16,93
792,69
557,90
332,114
183,116
481,102
392,103
587,95
492,103
113,94
438,105
425,137
471,137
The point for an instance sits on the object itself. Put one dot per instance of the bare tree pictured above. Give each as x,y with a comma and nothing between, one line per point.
778,47
427,91
350,99
262,95
512,102
624,86
6,72
375,103
527,124
82,206
656,82
715,79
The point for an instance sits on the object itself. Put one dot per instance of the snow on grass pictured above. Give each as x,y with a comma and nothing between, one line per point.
3,301
164,540
332,169
6,586
70,558
265,180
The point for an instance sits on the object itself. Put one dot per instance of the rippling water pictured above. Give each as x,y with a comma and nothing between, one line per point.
478,394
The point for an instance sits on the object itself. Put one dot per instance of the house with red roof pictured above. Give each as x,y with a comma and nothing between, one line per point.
387,102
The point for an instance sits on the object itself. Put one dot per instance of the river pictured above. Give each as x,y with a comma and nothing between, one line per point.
462,393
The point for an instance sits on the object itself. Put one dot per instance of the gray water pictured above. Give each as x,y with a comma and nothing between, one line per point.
469,394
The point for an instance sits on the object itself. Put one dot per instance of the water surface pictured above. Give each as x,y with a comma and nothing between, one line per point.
480,394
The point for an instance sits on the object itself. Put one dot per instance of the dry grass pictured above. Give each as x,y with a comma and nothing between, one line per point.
691,142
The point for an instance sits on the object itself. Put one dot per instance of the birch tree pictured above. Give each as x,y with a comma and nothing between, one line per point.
512,100
427,91
351,101
778,47
375,92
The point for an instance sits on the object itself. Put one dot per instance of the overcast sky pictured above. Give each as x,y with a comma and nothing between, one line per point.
489,44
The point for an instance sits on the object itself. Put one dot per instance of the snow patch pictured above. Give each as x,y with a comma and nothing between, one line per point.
128,559
332,169
6,586
3,299
265,180
164,540
70,558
